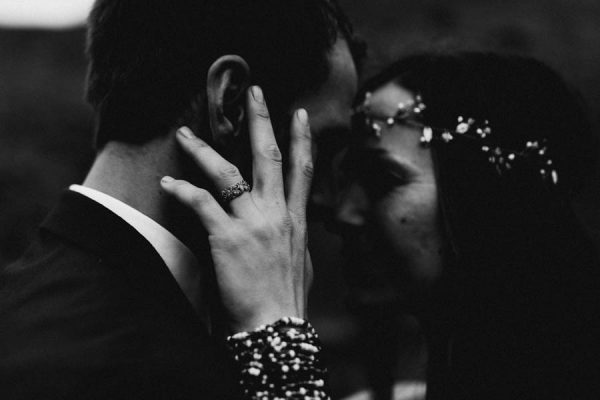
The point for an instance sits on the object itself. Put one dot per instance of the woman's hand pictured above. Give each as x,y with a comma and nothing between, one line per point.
258,246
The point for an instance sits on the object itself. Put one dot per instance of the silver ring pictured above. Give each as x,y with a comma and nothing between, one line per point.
235,191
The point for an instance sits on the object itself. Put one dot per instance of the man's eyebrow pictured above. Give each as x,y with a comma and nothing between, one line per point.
334,136
359,154
376,154
361,160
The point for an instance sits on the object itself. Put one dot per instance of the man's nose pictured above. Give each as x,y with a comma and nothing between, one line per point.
322,197
352,208
324,193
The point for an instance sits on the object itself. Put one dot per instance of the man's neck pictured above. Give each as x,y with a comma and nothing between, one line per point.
132,173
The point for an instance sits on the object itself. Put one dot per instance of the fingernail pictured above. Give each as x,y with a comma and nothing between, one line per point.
167,179
257,94
186,132
303,116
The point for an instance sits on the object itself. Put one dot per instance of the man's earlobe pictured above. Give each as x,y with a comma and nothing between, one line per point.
226,84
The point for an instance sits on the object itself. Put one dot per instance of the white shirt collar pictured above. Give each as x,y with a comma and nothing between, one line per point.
179,259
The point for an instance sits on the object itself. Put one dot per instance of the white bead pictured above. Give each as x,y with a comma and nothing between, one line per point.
308,347
238,336
462,128
427,135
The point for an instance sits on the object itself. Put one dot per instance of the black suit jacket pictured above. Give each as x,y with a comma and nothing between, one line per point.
91,311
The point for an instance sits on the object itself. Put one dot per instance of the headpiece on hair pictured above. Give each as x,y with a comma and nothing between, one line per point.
467,130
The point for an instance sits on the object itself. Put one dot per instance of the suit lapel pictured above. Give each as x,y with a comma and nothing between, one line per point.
99,231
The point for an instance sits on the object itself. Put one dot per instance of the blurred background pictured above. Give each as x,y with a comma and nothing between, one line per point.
46,127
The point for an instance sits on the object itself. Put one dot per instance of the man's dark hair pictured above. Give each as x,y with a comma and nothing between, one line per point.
148,59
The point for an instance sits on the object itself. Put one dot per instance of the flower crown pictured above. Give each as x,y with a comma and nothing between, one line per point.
466,130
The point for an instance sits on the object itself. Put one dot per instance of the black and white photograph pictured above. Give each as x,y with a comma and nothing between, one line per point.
299,199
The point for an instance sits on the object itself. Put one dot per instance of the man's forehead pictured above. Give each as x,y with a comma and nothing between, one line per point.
330,106
343,77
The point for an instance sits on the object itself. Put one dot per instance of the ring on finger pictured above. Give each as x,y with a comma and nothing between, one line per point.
234,191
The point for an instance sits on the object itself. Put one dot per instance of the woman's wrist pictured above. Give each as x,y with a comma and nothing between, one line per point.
261,319
280,360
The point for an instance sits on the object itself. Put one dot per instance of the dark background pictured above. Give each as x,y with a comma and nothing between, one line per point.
46,127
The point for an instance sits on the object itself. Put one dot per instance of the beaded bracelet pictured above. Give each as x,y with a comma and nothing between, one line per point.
280,361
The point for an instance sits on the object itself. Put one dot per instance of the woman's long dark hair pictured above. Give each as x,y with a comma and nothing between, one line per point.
515,313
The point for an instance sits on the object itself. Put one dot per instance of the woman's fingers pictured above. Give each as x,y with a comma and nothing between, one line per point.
222,173
299,178
266,156
308,276
259,252
211,215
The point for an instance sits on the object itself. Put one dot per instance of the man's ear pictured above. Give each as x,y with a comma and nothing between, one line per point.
226,84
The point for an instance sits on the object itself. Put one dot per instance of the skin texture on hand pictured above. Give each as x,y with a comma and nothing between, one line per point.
258,240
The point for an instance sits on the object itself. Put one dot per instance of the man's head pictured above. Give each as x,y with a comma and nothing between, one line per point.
153,62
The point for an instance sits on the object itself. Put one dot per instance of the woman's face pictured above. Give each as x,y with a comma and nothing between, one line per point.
388,213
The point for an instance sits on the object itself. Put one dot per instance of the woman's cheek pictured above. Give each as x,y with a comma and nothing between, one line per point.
410,228
398,220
